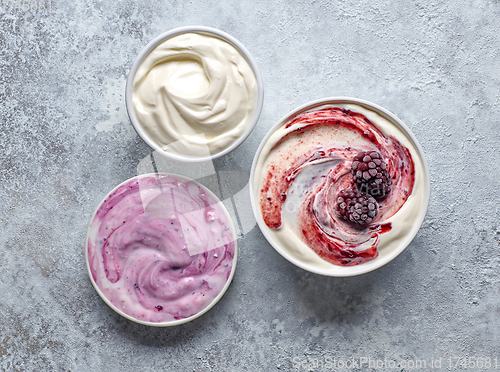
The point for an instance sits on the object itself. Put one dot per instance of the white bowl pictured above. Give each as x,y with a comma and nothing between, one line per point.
201,30
305,257
97,261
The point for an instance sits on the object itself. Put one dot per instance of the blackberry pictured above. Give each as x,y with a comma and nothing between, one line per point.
370,174
356,207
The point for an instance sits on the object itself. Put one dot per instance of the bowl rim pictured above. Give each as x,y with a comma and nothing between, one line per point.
202,30
376,263
178,321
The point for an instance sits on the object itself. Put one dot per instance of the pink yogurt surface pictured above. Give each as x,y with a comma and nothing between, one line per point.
160,248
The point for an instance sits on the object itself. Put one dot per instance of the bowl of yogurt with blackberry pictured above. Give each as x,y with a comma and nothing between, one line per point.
194,93
339,186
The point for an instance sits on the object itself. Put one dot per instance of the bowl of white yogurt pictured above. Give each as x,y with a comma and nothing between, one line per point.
194,93
309,200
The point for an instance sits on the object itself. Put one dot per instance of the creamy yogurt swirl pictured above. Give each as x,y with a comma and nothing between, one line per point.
305,163
160,248
194,93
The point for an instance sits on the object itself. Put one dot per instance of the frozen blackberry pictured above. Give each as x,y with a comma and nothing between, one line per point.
356,207
370,174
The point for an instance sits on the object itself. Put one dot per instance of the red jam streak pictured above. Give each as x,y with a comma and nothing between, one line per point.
332,239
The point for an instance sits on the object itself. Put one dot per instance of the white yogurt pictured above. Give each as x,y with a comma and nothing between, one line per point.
194,94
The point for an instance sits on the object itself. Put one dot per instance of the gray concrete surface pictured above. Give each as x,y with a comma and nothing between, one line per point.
66,141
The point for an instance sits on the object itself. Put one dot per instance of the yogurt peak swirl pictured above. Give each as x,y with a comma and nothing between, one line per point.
194,93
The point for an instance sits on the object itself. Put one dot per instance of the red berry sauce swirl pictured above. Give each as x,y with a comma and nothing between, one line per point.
329,139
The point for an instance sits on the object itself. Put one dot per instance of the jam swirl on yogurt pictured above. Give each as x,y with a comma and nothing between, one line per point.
308,164
160,248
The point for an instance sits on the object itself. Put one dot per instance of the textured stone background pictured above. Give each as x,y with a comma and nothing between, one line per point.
66,141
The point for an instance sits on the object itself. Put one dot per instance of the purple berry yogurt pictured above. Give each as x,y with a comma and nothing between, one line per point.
161,249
